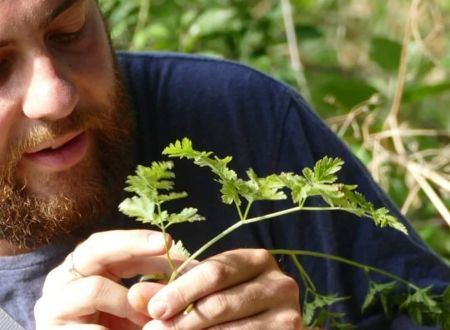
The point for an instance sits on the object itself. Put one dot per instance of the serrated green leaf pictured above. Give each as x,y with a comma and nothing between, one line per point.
256,188
308,174
326,168
358,199
178,148
178,250
377,289
421,296
147,184
229,193
188,214
423,305
319,303
382,219
147,180
160,219
369,300
299,186
321,182
446,295
308,313
140,208
219,166
325,316
172,196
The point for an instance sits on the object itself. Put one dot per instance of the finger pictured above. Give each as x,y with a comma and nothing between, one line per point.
144,265
87,296
270,291
140,293
117,262
214,274
152,265
271,320
61,275
106,248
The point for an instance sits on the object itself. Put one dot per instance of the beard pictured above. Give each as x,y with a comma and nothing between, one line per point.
80,197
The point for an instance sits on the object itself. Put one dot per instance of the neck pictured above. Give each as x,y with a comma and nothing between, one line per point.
8,249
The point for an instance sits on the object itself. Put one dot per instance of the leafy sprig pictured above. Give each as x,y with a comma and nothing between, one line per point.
319,181
233,188
422,305
148,184
153,186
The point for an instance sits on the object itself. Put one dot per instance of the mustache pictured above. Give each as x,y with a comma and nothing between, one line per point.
49,130
42,132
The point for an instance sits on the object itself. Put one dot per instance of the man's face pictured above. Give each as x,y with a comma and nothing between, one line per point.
63,123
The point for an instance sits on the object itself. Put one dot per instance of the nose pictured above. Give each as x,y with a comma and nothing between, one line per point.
49,95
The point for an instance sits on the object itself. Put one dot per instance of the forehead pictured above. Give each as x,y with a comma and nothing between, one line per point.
31,12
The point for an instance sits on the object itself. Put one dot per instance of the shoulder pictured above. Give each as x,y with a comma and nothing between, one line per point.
194,72
196,64
206,99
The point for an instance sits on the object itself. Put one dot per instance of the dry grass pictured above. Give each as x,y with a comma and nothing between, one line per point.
425,170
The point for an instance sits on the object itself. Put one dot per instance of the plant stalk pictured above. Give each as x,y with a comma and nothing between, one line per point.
345,261
240,223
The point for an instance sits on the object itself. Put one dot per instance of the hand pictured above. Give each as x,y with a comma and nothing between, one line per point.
240,289
84,292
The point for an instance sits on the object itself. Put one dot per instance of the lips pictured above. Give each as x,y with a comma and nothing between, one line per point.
59,154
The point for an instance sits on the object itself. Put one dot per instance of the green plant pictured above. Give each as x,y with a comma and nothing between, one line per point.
154,186
358,62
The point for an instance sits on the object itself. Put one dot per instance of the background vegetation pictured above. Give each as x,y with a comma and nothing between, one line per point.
377,71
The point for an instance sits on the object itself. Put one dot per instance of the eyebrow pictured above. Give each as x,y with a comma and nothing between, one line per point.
62,7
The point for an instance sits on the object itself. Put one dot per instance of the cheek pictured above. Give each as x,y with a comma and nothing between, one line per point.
95,77
93,68
8,125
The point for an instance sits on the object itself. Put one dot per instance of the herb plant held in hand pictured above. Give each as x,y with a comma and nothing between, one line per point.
154,186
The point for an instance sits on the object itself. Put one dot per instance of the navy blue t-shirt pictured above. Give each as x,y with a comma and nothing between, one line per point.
234,110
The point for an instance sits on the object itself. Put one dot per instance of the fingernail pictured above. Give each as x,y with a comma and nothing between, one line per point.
141,302
156,241
157,309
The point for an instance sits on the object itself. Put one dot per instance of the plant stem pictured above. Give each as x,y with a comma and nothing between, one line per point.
239,211
247,210
240,223
345,261
166,246
306,279
205,247
297,209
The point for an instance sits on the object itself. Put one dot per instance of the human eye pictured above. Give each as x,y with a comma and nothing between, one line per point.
5,67
67,37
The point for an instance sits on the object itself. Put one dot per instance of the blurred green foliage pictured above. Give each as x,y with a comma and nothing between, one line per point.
350,55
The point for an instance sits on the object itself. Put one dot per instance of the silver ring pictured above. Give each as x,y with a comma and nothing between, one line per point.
72,269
